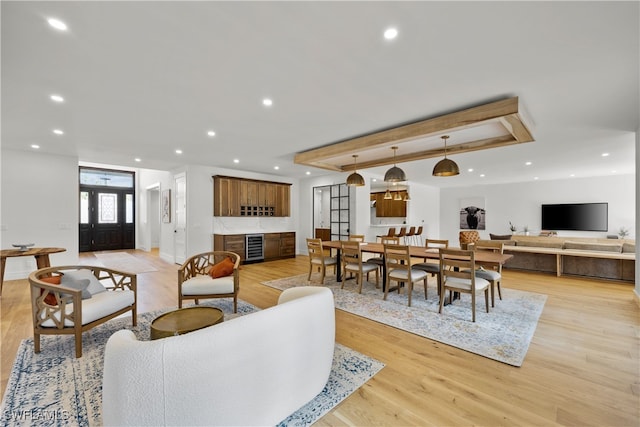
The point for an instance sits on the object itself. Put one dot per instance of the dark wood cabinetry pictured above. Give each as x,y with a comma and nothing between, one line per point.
246,197
276,245
391,207
230,242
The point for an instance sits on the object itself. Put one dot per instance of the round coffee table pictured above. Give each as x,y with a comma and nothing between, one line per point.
185,320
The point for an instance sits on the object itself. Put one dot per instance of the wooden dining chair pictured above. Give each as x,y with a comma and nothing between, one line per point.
318,259
379,260
356,238
433,268
493,274
457,268
398,264
352,263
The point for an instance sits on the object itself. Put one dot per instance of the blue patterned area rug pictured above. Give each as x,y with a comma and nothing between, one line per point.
503,334
54,388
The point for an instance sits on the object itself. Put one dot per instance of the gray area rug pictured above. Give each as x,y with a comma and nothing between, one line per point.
54,388
124,261
503,334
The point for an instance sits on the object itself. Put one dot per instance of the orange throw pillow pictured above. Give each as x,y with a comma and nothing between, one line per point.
222,269
50,298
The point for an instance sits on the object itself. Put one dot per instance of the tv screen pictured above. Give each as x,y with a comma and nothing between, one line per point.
576,216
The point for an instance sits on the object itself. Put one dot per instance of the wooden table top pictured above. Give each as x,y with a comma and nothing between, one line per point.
6,253
481,257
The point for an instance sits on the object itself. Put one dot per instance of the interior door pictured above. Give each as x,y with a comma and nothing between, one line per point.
180,215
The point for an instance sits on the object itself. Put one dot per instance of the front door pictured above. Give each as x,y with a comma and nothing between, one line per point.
107,220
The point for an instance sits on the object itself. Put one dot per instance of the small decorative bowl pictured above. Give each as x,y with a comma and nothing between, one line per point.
22,246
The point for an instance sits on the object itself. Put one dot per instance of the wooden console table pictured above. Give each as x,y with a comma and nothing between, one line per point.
41,255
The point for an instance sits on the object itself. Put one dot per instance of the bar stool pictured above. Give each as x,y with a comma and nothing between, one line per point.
410,238
390,233
401,233
418,236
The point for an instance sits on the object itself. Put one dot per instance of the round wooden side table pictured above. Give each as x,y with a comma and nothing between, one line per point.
185,320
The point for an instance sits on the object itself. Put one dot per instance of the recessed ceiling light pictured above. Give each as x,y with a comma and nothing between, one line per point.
572,175
236,161
58,132
35,146
267,102
57,24
470,170
276,167
178,151
308,173
138,159
390,33
211,133
528,163
481,175
605,154
614,171
535,177
57,98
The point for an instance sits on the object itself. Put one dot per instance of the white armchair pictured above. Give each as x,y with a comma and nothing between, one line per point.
74,299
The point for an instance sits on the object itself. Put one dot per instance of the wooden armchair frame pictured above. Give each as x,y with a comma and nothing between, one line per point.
200,264
43,312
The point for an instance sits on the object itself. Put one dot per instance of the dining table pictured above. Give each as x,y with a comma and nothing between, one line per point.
488,259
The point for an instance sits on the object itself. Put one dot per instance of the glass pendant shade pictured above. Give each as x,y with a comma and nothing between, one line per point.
395,174
397,196
406,197
445,167
355,179
387,195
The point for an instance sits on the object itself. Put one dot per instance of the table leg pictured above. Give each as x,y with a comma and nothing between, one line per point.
4,262
42,261
338,267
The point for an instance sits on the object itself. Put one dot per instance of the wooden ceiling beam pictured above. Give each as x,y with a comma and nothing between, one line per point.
505,112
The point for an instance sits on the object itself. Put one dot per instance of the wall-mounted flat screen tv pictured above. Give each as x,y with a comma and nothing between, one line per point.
576,216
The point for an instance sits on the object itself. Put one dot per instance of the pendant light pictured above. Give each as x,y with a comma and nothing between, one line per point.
397,197
387,194
395,174
406,196
355,179
446,167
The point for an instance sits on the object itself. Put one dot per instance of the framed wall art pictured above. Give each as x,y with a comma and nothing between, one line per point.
166,206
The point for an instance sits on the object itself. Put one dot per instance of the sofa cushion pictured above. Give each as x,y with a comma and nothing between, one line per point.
82,284
100,305
539,244
95,287
222,268
500,236
205,285
586,246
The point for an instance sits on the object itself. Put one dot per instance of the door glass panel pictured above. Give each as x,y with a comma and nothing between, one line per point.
128,201
106,178
107,208
84,207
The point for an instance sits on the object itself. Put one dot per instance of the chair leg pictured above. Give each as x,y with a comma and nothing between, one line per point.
410,291
473,306
499,290
78,339
310,270
134,316
442,295
235,303
36,342
425,288
386,289
486,299
493,298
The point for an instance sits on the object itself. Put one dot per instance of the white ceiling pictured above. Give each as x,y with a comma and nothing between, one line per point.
142,79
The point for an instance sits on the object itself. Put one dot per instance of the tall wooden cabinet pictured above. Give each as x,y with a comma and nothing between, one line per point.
246,197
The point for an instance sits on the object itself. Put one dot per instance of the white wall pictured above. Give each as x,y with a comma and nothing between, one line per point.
149,234
520,203
40,206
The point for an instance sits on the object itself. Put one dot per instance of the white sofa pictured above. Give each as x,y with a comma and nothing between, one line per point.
255,369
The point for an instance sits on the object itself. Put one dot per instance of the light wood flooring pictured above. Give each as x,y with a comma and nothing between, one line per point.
582,368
